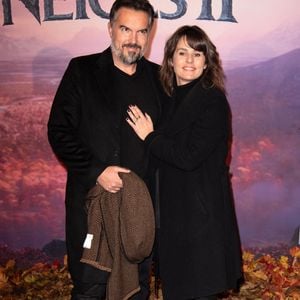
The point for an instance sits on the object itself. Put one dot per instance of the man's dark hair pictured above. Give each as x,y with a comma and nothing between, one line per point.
139,5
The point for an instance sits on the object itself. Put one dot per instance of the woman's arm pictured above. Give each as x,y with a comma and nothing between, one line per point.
205,134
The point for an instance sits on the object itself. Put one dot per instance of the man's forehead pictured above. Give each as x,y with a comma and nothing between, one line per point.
130,17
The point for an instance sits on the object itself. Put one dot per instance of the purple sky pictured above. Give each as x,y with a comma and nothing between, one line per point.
256,19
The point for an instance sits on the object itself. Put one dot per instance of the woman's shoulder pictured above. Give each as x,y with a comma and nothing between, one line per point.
212,91
208,95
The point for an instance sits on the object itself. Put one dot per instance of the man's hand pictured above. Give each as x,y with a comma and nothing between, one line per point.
109,179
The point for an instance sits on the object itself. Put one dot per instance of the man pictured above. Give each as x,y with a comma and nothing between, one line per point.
89,134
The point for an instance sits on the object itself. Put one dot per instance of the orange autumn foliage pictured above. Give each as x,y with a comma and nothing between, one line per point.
266,277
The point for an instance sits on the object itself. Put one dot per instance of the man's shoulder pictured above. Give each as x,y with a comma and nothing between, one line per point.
87,60
89,57
151,65
152,70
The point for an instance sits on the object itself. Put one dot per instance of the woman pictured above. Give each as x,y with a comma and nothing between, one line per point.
199,249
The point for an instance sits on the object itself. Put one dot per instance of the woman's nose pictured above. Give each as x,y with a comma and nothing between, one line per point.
189,58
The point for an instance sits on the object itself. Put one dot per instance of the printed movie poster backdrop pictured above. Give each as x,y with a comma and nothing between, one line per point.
259,42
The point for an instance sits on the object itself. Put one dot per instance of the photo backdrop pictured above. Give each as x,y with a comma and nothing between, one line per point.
259,43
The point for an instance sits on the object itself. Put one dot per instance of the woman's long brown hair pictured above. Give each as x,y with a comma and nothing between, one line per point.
213,75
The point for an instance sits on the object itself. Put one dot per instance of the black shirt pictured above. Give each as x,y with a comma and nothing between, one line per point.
137,90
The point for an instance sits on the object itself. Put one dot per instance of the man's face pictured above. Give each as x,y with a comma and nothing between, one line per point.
129,34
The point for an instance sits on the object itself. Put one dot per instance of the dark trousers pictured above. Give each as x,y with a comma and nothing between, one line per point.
212,297
97,291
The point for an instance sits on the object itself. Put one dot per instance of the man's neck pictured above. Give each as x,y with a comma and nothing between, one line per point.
128,69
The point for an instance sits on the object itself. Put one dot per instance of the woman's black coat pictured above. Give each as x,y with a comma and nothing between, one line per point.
199,248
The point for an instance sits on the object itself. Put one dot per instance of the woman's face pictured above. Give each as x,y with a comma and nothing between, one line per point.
188,63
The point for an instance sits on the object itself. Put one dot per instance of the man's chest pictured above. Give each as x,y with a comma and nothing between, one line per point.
137,91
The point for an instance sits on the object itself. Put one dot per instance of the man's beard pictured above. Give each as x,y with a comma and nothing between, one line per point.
132,57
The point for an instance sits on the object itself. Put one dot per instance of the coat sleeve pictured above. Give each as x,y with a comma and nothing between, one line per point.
63,128
205,133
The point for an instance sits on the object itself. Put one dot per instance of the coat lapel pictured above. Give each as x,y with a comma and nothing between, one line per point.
103,74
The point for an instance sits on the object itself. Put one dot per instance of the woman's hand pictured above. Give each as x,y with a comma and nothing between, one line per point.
140,123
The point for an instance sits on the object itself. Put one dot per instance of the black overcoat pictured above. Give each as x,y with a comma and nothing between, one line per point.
199,247
83,134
